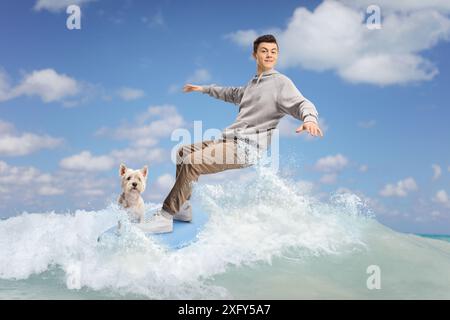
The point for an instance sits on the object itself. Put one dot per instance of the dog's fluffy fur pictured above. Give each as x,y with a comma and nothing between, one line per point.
133,184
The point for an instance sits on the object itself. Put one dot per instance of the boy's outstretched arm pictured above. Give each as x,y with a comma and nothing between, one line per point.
292,102
227,94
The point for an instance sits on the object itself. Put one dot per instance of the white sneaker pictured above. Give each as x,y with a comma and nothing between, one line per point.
160,222
185,213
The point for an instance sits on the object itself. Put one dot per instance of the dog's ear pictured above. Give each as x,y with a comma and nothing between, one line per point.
122,169
144,171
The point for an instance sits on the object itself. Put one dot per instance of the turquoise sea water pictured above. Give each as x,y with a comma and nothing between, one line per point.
443,237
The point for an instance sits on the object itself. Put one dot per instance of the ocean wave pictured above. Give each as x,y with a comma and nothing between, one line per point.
255,229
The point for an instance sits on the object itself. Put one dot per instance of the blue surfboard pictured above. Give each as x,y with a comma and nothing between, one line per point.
183,234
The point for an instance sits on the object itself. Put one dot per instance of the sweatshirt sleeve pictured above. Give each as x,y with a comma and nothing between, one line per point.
227,94
292,102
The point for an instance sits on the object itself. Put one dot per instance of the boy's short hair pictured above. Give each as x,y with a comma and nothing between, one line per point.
264,38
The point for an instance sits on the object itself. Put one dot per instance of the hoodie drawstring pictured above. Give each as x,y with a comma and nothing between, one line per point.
259,78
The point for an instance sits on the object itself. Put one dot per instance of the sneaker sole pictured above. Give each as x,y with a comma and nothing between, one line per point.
182,219
158,231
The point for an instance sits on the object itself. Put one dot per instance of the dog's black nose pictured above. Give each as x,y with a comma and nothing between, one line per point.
134,184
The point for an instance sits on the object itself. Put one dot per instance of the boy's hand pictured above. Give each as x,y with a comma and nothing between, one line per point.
192,87
310,127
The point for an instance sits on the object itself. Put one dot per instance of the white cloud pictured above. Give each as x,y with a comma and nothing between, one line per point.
4,84
243,37
46,83
159,189
50,191
437,171
143,134
174,88
25,182
334,37
145,142
27,188
57,5
140,155
89,184
401,189
17,175
435,214
367,124
14,144
90,192
328,178
387,69
157,20
402,5
363,168
331,163
25,144
6,127
149,127
165,181
287,127
85,161
199,76
128,94
441,197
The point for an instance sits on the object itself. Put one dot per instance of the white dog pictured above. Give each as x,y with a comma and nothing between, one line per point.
133,184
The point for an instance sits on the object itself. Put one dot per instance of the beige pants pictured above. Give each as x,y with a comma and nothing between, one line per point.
193,160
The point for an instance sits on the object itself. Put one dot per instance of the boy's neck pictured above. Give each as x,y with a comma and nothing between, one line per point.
261,70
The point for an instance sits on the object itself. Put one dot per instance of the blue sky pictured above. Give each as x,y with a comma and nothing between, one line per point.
74,103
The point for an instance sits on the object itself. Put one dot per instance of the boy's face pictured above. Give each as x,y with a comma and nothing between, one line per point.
266,55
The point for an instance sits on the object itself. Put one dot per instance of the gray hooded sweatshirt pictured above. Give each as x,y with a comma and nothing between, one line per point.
262,102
